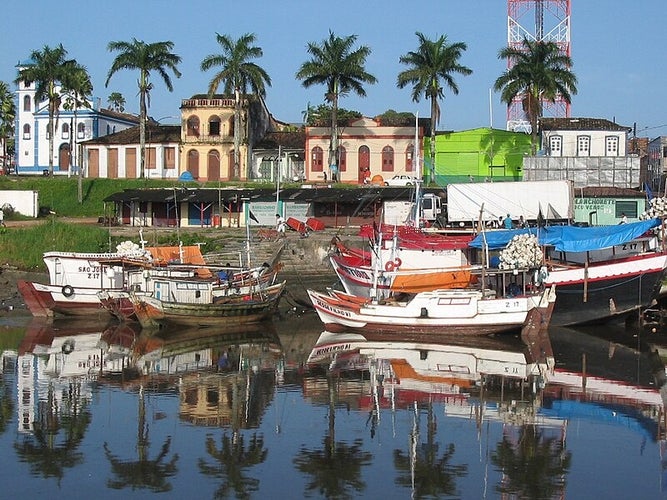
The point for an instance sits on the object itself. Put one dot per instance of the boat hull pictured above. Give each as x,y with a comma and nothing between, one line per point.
152,312
464,314
51,300
609,292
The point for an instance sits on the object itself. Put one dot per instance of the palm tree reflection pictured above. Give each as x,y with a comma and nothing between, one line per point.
533,464
424,469
336,468
142,473
232,459
42,450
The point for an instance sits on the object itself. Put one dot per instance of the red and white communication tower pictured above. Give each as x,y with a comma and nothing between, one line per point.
537,20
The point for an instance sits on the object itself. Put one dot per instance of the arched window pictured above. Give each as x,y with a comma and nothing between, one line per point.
364,158
213,165
342,159
231,126
81,131
26,131
409,158
192,128
387,159
193,163
26,103
108,129
317,159
64,132
214,126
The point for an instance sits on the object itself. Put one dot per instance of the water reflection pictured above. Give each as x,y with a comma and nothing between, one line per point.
419,415
482,378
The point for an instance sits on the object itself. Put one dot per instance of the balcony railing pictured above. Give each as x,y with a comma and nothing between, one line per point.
207,103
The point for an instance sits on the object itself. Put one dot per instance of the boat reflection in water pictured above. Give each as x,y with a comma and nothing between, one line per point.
252,413
516,382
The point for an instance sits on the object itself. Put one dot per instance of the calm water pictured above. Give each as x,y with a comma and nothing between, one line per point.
93,412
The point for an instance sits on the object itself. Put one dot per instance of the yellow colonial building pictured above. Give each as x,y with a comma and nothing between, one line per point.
207,136
366,149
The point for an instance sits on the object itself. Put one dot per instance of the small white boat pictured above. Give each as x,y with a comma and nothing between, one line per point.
462,311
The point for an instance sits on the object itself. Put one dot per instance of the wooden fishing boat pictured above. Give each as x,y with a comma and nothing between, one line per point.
224,282
75,278
403,260
188,302
462,311
601,273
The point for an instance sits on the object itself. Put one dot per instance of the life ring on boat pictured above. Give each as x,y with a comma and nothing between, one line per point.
67,291
68,346
389,266
397,262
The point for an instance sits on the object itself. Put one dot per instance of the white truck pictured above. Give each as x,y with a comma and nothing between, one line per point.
495,200
398,212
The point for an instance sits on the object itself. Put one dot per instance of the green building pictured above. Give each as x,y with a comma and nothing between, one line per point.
480,154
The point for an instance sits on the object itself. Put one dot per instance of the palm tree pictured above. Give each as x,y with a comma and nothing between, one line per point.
237,74
540,73
48,70
335,64
145,57
7,115
434,62
116,102
80,88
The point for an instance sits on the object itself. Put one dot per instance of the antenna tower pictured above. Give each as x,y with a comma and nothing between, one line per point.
537,20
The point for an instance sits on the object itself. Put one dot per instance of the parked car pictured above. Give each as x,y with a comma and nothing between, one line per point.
401,180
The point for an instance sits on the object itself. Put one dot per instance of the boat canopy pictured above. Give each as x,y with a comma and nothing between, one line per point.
570,238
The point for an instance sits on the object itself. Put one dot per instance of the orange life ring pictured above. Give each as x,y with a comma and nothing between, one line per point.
389,266
397,262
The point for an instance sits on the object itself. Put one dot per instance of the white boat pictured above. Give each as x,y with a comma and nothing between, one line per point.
461,311
75,278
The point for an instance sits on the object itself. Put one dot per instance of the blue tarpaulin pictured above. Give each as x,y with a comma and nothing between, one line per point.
570,238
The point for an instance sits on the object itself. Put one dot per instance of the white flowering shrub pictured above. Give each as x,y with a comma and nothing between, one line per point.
522,252
130,249
657,208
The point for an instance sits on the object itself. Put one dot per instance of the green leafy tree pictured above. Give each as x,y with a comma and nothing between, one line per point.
48,69
430,67
7,116
320,116
237,74
116,102
391,118
146,57
338,65
79,88
540,73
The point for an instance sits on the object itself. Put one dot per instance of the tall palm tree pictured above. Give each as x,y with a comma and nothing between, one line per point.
237,74
7,115
540,73
116,101
341,68
145,57
434,63
80,88
48,69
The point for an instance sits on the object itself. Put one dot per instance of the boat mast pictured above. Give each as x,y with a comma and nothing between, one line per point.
418,194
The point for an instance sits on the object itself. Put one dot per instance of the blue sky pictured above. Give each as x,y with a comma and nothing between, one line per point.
617,49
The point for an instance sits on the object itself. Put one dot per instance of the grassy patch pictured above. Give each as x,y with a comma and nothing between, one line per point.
23,247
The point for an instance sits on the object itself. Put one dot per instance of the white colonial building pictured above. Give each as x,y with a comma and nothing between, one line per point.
71,128
588,151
